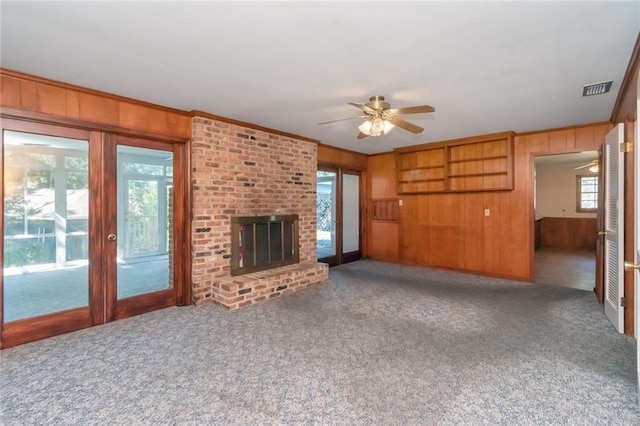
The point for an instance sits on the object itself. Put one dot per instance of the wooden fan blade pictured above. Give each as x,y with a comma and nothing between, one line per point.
364,108
362,135
344,119
405,125
413,110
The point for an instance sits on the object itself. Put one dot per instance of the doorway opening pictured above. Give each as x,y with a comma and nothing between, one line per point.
566,192
338,221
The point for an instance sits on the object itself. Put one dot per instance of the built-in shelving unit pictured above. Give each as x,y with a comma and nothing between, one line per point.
483,163
422,171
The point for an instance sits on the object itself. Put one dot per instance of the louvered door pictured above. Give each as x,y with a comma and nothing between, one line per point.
614,228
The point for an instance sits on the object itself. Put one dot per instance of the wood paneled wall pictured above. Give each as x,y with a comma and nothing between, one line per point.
452,231
338,157
382,238
51,100
568,232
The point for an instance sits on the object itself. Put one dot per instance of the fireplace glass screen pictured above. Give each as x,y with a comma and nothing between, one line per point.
263,242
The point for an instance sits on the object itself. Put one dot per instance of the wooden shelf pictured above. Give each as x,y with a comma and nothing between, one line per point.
422,168
466,160
483,163
476,174
421,180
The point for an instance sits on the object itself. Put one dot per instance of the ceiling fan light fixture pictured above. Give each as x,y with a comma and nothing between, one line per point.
366,127
376,127
381,118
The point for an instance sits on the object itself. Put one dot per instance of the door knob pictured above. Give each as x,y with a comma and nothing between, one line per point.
630,266
602,233
111,237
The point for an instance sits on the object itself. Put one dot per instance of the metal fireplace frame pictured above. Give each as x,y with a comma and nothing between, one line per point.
240,221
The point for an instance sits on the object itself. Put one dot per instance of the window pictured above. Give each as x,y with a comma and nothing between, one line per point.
587,194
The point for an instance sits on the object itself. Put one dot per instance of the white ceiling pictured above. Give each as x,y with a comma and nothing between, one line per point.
485,66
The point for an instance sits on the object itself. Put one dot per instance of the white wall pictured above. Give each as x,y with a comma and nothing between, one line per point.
556,189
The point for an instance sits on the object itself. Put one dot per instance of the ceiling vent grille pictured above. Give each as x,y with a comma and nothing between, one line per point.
596,88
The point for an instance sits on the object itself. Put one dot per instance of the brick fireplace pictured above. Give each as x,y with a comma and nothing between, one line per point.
239,171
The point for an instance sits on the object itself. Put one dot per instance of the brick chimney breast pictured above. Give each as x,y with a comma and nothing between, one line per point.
238,171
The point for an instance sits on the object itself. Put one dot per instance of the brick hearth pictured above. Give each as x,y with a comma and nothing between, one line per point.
237,171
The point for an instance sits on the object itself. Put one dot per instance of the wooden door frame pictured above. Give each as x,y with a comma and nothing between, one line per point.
334,259
43,326
340,257
134,305
599,212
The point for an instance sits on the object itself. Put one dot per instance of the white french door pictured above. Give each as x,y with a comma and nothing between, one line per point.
614,228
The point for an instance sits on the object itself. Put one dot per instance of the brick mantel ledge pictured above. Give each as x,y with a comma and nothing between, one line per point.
244,290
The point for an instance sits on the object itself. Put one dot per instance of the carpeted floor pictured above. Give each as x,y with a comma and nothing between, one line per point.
379,344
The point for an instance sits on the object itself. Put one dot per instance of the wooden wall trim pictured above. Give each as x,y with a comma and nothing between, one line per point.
187,296
337,148
378,154
329,156
37,117
625,107
196,113
36,79
36,99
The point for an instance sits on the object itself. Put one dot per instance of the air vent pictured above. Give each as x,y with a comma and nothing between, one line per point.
596,88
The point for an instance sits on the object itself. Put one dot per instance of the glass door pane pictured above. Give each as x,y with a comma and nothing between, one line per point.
326,214
141,234
46,210
350,213
145,220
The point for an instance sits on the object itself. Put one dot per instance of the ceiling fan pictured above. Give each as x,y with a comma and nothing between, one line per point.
592,165
381,118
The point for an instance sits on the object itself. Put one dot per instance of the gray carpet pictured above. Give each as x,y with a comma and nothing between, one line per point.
380,344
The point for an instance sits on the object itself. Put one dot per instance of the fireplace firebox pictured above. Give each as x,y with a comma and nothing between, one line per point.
263,242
